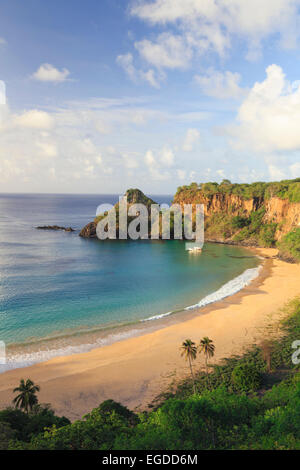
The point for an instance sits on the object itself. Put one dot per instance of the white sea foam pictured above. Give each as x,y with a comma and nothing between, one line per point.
20,360
157,317
230,288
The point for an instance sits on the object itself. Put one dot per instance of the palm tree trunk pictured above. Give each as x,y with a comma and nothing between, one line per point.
26,404
206,368
191,367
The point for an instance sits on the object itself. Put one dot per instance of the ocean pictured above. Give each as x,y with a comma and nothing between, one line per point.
62,294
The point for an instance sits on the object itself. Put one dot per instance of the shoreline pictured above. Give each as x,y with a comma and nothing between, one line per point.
136,369
67,342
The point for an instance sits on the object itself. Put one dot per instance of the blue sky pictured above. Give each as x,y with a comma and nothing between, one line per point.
106,95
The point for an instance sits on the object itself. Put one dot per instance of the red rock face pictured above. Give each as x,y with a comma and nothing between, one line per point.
229,203
286,214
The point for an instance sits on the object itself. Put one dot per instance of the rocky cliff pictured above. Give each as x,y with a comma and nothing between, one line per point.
284,213
219,202
259,214
281,212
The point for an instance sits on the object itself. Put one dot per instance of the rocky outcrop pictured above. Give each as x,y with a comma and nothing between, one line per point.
89,231
55,227
134,196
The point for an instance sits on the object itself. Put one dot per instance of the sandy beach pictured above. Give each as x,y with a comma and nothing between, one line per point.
135,370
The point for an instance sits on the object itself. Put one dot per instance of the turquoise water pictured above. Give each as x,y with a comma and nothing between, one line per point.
52,283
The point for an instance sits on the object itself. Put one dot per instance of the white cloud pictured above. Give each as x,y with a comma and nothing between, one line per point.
87,147
156,164
295,170
276,173
192,137
211,25
221,85
150,76
47,149
52,172
168,51
67,152
268,119
107,115
126,62
130,161
167,157
149,159
48,73
33,119
101,126
221,173
181,174
99,159
69,137
2,92
2,41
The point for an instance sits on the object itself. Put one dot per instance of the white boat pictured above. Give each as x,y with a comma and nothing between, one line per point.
195,249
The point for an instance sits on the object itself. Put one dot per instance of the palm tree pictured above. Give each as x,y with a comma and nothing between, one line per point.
27,398
189,350
207,347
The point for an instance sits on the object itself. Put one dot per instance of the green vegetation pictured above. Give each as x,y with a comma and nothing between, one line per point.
134,196
28,418
289,247
250,230
246,377
255,230
21,427
247,402
240,222
286,189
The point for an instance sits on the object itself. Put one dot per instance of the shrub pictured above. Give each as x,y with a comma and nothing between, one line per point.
26,425
289,247
267,235
7,434
240,222
246,377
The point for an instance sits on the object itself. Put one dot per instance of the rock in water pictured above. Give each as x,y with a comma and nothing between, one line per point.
134,196
89,231
55,227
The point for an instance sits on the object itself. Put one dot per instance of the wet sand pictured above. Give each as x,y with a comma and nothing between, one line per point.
135,370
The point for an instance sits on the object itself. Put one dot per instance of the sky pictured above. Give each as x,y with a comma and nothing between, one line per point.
100,96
